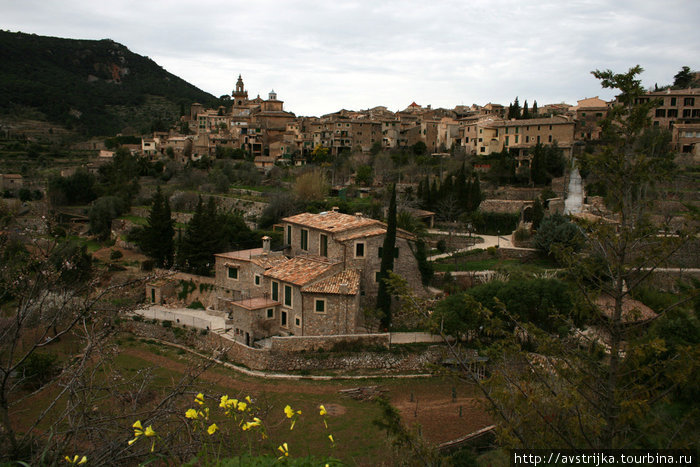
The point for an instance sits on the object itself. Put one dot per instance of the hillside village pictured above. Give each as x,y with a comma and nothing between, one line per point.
261,240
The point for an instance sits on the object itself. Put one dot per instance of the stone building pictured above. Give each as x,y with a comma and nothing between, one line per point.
318,285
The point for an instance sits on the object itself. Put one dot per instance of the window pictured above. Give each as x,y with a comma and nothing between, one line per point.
516,131
257,279
550,138
686,113
689,101
527,139
319,305
672,113
583,114
289,235
304,244
507,130
283,319
599,114
297,321
232,272
507,140
359,250
516,139
550,127
275,291
538,139
323,245
377,276
270,313
660,113
288,296
696,113
673,101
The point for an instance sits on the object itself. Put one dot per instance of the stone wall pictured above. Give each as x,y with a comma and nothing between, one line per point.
284,361
313,343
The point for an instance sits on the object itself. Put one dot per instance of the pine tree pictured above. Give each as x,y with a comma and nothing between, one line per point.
200,241
157,239
387,265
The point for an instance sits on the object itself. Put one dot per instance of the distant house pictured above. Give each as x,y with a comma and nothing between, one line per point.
319,282
11,182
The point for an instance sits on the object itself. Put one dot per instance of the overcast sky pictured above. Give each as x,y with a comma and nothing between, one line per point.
321,56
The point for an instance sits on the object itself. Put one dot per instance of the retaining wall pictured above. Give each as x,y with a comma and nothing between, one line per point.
277,360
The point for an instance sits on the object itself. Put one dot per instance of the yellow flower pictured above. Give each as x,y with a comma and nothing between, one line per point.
139,431
192,414
224,402
242,406
212,429
248,399
75,460
248,425
290,412
284,450
199,399
332,440
323,410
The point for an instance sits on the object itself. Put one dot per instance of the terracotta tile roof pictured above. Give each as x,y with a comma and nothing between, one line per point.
255,303
245,255
361,234
269,261
556,120
330,221
300,270
349,278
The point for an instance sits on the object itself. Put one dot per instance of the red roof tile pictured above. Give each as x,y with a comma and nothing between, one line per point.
349,278
330,221
300,270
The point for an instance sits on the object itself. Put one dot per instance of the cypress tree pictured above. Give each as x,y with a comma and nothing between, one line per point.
475,194
387,265
534,109
526,111
157,241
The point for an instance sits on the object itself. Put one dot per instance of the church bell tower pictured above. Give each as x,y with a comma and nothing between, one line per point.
240,95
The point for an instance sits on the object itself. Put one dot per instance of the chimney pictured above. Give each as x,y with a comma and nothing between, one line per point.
335,208
266,244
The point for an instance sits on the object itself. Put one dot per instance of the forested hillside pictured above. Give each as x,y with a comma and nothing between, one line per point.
95,87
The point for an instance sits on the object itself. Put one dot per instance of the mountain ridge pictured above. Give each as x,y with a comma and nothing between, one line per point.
96,87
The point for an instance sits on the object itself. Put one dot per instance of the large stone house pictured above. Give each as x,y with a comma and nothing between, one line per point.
318,285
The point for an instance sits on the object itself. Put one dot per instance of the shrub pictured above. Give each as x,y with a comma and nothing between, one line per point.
115,254
147,265
521,235
196,305
441,245
37,369
167,324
